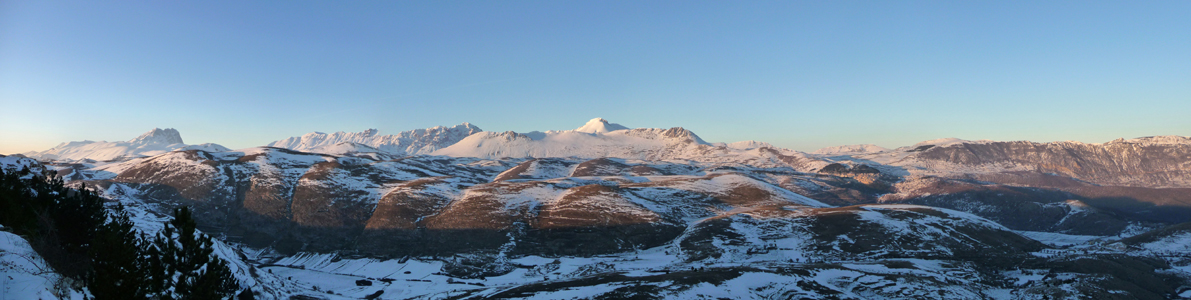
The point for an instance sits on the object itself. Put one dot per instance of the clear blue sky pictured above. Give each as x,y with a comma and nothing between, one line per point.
798,74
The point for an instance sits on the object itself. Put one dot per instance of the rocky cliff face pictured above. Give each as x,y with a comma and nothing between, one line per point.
158,136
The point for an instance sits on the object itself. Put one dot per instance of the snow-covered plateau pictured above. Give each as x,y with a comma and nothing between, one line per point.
606,211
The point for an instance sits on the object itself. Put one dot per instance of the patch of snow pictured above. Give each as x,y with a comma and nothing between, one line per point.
1059,239
25,275
1178,242
14,163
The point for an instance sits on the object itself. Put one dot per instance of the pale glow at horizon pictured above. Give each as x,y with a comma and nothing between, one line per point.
800,75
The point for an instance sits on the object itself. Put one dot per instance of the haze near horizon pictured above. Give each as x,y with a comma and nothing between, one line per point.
799,75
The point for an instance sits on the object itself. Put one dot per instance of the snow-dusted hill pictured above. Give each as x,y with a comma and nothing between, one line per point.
413,142
13,163
156,141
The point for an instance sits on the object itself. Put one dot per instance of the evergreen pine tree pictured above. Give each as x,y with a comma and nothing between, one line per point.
80,214
118,263
186,265
158,274
72,231
16,208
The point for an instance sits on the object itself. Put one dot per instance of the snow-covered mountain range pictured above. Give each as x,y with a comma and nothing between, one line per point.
154,142
413,142
606,210
597,138
1143,162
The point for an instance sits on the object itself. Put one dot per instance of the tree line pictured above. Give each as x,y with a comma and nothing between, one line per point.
99,247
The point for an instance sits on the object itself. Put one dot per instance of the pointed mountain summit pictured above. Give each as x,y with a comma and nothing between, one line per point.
153,142
158,136
599,125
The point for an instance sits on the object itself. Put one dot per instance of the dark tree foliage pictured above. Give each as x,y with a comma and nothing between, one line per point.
60,223
80,214
118,261
188,268
81,239
18,206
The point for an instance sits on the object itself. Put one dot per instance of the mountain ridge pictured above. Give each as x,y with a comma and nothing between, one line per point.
153,142
411,142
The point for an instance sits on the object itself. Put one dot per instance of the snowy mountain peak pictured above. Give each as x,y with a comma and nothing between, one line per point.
748,145
1158,140
418,141
158,136
599,125
944,142
154,142
465,126
851,149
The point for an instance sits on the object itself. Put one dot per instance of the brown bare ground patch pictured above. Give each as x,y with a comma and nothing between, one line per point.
515,172
269,195
745,195
326,205
481,207
404,206
645,171
592,206
599,167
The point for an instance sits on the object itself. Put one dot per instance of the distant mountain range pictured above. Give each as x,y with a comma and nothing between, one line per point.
413,142
1142,162
154,142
